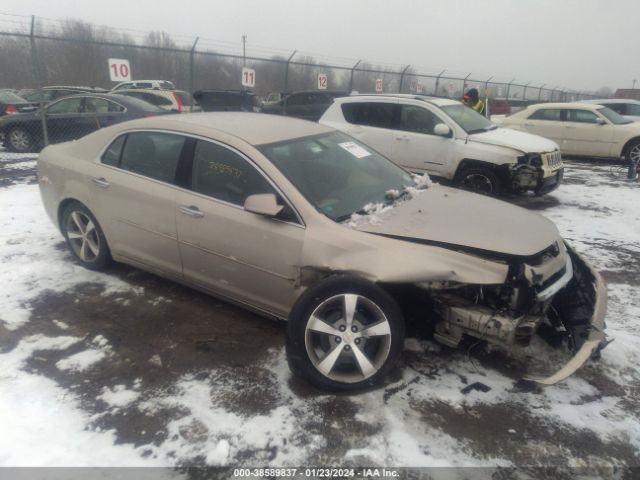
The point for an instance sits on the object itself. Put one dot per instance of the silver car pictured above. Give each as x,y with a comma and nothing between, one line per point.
300,222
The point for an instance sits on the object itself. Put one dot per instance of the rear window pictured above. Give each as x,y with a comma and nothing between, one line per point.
166,85
10,97
141,104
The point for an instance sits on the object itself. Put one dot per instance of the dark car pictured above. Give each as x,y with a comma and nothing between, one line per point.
306,105
70,118
11,103
227,100
45,95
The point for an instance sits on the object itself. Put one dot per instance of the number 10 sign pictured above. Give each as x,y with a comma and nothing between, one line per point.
119,70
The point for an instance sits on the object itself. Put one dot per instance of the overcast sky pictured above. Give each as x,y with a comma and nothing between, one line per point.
577,44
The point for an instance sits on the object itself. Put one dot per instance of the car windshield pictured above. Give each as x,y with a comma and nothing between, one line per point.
337,174
470,120
614,117
10,97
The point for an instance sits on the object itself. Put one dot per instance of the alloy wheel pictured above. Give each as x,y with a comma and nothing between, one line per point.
348,338
19,140
477,182
83,236
634,153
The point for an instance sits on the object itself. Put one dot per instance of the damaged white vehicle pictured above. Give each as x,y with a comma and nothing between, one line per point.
300,222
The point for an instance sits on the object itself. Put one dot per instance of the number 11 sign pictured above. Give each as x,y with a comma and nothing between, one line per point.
248,77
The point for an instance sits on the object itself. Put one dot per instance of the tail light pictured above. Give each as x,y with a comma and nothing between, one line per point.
179,102
10,109
147,115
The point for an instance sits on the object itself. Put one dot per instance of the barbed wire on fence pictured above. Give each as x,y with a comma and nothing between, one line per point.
40,50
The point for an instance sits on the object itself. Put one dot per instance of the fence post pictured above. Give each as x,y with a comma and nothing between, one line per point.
524,94
351,79
37,76
192,53
286,72
509,87
540,92
438,82
402,77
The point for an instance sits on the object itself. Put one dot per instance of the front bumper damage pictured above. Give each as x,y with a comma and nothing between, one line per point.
572,304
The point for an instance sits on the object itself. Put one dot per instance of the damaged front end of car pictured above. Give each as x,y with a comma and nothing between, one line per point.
555,291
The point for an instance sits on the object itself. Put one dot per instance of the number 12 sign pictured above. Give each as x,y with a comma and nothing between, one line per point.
322,81
248,77
119,70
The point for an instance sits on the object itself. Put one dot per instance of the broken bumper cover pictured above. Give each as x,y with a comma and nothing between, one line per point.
588,284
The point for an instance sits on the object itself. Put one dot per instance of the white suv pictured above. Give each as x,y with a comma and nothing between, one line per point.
449,140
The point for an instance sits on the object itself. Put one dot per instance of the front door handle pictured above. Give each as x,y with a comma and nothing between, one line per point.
192,211
402,138
101,182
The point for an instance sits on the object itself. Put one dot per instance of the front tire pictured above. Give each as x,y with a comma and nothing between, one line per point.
85,237
344,333
478,180
19,140
632,152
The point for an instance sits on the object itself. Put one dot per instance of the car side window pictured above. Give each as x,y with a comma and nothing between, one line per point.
549,114
111,156
152,154
631,109
100,105
70,105
372,114
417,119
581,116
223,174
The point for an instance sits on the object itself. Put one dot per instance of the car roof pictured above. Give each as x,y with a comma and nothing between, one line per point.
583,105
438,101
253,128
604,101
71,87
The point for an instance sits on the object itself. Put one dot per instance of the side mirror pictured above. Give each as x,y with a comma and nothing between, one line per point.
442,130
600,121
263,204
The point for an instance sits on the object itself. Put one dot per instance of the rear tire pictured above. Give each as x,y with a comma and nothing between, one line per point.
85,237
478,180
345,333
19,140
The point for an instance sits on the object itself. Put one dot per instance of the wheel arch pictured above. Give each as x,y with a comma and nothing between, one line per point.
501,170
628,144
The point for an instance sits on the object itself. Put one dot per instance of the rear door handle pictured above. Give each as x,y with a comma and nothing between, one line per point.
402,138
192,211
101,182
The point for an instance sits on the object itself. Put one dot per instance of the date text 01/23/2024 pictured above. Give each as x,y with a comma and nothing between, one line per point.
315,472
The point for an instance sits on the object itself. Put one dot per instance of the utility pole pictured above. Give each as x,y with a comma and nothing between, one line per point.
244,50
633,85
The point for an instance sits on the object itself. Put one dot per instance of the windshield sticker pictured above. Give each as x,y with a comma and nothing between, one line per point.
355,149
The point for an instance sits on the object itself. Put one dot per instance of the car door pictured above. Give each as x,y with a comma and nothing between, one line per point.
226,249
415,146
66,120
373,123
546,122
135,189
587,133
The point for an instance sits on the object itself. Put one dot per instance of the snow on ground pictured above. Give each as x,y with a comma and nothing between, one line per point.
259,416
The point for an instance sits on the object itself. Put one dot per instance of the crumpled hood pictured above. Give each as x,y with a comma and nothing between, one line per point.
455,217
521,141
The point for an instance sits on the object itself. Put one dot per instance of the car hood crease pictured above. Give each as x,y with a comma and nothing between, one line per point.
453,217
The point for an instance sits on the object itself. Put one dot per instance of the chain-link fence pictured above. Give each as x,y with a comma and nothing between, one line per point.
36,51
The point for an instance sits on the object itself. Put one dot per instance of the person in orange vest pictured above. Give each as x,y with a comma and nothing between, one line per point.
472,100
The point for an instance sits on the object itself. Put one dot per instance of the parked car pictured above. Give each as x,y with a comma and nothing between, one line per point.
260,211
499,106
271,98
70,118
306,105
581,129
45,95
445,138
145,84
628,108
227,100
177,101
11,103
